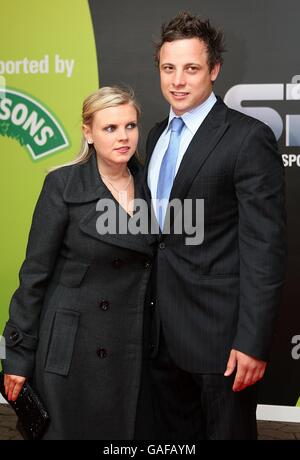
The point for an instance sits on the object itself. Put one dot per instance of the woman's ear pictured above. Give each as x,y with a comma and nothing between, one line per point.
86,130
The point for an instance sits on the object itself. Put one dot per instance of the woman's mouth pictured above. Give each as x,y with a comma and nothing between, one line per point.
123,149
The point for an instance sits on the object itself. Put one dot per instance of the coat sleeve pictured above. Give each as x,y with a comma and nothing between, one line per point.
260,190
46,234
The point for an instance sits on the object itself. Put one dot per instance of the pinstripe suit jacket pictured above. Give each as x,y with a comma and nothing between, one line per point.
225,292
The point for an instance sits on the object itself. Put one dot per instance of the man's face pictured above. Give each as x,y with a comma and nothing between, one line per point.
185,78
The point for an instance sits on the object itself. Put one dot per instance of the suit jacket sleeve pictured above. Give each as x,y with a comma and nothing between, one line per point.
260,190
45,237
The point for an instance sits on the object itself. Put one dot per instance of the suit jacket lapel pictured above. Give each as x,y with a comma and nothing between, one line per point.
203,143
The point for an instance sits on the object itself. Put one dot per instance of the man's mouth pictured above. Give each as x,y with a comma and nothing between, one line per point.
179,94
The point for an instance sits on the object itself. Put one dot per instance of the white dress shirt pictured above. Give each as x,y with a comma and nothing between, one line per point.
192,122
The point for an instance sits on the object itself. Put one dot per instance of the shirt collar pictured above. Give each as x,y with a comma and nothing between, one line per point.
195,117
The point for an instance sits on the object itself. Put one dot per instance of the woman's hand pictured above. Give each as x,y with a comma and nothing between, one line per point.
13,385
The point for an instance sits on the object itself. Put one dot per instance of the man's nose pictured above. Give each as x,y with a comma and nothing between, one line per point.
179,78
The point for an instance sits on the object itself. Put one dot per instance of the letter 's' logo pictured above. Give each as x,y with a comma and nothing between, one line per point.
239,94
29,122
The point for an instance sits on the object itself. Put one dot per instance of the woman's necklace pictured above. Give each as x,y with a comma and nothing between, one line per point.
115,188
122,194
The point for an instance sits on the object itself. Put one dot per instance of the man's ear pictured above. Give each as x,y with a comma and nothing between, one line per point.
215,71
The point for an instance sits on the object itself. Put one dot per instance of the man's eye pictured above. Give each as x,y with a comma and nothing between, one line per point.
192,69
168,68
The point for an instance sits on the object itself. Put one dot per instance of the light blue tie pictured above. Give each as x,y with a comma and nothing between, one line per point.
167,170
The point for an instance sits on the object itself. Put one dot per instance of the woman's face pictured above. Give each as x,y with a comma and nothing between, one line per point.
114,133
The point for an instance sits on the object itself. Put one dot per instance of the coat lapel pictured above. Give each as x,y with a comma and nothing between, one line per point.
85,186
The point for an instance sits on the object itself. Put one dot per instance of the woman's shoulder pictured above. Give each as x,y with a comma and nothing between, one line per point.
62,173
58,178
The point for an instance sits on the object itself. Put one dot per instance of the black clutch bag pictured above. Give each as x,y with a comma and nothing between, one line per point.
33,418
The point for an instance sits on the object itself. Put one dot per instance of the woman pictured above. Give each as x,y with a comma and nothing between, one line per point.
75,324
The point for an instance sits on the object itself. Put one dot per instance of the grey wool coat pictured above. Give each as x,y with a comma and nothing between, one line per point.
76,320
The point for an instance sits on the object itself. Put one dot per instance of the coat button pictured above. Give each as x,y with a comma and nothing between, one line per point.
14,336
151,349
152,305
117,263
147,265
102,353
161,245
104,304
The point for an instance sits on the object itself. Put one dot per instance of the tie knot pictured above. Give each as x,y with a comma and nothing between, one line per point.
177,125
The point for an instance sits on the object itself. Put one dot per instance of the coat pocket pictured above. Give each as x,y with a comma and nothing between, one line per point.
73,273
62,339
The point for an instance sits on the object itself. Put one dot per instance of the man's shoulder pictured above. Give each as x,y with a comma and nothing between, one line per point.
234,116
244,121
242,125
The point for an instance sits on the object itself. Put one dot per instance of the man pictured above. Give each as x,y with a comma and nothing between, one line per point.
214,303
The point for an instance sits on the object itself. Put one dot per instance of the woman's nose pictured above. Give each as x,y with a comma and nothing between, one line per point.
122,134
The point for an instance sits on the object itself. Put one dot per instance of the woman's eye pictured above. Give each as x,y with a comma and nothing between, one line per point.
131,126
109,128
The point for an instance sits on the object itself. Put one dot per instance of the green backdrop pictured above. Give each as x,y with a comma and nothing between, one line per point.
35,35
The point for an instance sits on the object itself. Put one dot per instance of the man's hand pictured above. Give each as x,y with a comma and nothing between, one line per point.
13,385
249,369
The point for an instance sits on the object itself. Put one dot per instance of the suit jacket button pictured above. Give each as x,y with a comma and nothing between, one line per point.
104,304
117,263
147,265
14,336
161,245
102,353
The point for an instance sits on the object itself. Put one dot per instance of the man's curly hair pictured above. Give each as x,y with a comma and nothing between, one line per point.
185,25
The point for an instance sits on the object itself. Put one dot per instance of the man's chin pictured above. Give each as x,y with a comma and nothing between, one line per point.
180,110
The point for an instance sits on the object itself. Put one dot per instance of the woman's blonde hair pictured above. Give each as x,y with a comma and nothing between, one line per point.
103,98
